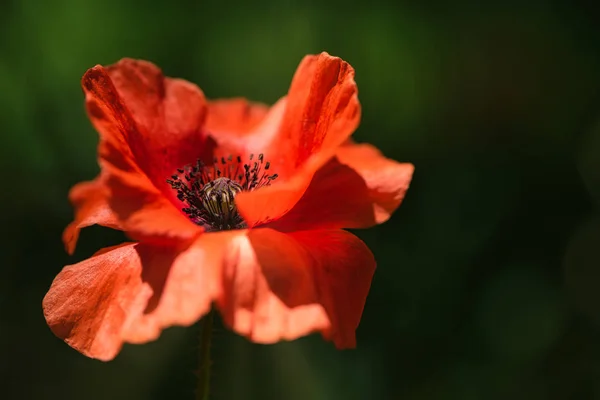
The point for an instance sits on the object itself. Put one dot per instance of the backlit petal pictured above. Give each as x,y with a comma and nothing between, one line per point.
129,293
89,302
357,189
234,116
322,111
242,128
279,286
90,200
169,114
146,213
185,292
269,285
138,203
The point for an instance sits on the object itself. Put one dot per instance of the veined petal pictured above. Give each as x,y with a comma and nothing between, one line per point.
279,286
89,302
169,114
129,293
386,180
269,285
321,112
123,151
185,292
242,128
147,214
236,117
358,189
90,200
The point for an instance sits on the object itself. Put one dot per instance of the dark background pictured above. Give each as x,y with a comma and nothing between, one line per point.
488,280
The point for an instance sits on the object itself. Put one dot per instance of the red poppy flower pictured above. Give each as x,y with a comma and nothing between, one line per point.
230,203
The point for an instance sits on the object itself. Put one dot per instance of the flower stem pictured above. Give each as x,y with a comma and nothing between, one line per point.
204,363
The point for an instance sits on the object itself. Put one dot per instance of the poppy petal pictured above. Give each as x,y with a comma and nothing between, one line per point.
242,128
321,112
128,293
184,293
281,286
89,302
235,116
386,180
270,286
149,216
169,114
90,200
358,189
141,207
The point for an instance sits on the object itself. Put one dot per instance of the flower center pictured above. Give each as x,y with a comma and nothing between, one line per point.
209,191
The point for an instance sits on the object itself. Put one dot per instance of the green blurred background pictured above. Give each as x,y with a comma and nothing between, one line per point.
488,281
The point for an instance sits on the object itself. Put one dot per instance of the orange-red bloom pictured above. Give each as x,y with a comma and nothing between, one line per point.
258,234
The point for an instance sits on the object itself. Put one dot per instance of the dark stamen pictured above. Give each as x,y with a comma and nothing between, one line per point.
209,191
